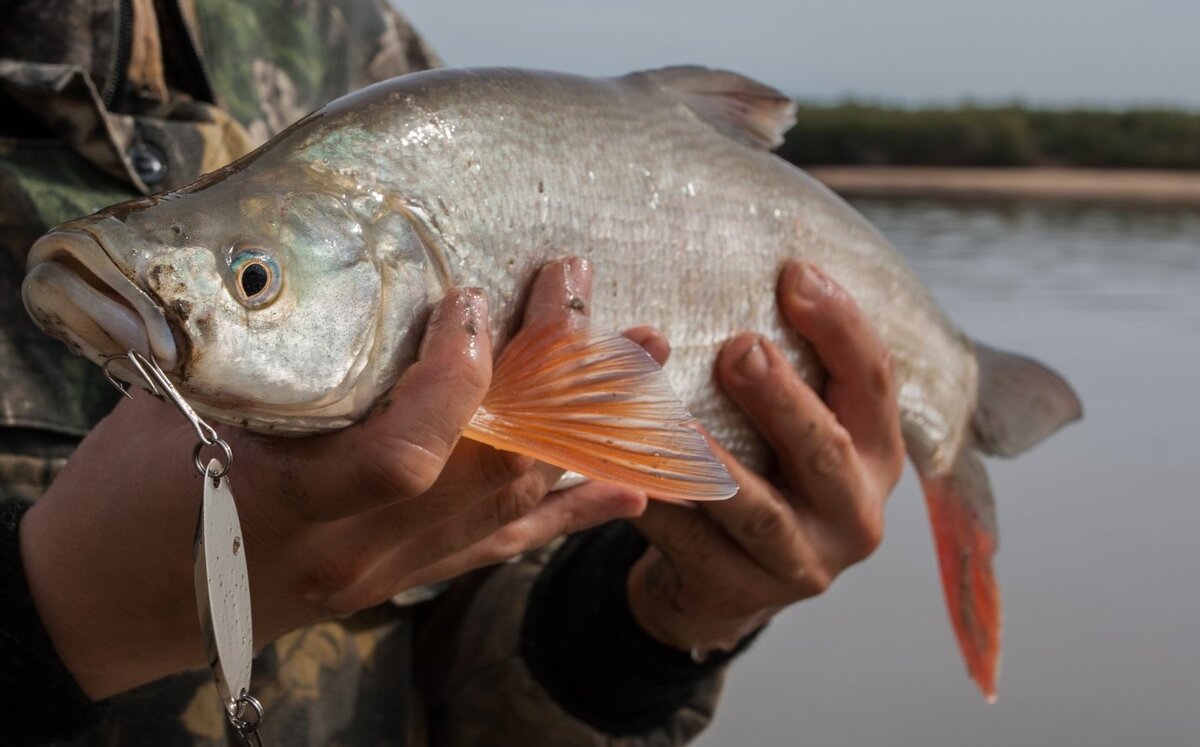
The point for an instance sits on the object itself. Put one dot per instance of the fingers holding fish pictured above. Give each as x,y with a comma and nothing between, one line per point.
467,530
769,526
861,388
719,570
401,449
486,505
406,445
814,451
822,468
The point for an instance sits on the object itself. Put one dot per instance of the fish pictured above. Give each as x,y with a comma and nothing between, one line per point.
287,291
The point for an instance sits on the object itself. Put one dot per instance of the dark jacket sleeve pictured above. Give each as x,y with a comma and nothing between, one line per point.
41,700
544,650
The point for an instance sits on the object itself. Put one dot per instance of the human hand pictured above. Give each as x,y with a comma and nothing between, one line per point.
332,523
717,571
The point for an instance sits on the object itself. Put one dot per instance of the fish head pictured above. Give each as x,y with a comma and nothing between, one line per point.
262,298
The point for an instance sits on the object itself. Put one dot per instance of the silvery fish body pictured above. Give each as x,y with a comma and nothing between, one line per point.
360,216
687,226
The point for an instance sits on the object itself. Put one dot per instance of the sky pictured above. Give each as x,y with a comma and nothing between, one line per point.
1110,53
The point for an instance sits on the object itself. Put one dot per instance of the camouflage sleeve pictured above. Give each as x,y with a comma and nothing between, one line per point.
273,61
545,651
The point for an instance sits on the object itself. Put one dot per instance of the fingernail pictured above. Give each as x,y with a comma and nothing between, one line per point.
753,364
812,283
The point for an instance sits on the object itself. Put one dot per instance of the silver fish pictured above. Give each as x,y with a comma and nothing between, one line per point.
287,291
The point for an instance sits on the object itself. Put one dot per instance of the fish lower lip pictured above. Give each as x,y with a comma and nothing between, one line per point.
74,290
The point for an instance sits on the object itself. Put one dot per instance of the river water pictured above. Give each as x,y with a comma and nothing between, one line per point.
1099,525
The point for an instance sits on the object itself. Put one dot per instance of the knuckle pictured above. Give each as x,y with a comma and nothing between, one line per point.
797,572
834,452
401,468
879,375
339,584
688,537
866,534
778,401
509,543
817,579
503,467
515,501
765,523
466,375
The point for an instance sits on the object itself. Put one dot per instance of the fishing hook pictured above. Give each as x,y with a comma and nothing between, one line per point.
160,386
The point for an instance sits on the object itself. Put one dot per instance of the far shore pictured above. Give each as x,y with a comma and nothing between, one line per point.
1081,185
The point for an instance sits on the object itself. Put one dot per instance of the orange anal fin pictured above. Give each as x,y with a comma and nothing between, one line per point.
583,398
964,530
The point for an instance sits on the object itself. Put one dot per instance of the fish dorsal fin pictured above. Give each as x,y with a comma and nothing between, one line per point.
586,399
1020,402
743,109
963,518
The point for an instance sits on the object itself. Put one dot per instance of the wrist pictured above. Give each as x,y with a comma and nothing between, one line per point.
581,643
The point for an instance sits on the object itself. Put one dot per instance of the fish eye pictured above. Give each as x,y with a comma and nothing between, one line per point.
256,276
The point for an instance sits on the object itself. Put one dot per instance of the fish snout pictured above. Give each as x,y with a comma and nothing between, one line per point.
76,292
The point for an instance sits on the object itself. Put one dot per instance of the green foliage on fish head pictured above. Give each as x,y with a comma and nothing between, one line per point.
277,287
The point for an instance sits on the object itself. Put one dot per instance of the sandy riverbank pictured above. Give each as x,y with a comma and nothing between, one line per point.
1083,185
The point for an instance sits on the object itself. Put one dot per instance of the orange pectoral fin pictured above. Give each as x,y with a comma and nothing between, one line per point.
586,399
964,530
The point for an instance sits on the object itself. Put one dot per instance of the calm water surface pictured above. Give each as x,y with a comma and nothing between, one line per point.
1099,526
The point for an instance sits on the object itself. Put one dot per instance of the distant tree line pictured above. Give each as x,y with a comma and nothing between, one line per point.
865,134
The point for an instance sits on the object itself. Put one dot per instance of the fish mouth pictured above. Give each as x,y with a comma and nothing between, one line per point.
77,293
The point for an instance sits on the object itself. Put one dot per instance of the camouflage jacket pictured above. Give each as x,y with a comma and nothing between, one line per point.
102,100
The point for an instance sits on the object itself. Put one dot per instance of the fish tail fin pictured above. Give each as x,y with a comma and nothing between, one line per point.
963,519
587,399
1019,403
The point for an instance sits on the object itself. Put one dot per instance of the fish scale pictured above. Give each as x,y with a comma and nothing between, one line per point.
606,175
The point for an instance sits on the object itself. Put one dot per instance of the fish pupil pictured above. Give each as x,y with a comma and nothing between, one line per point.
254,279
